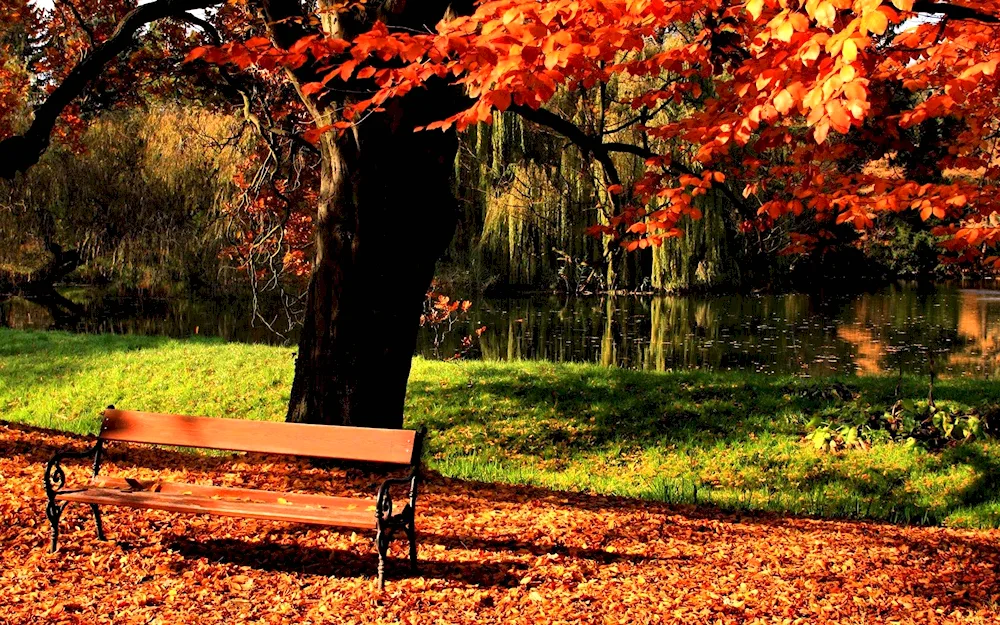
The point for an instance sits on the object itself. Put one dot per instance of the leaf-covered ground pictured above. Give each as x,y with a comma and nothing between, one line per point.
488,553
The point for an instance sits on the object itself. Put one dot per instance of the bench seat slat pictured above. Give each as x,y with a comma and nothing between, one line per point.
295,439
223,501
230,492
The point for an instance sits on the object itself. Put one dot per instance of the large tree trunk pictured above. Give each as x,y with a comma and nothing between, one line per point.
385,215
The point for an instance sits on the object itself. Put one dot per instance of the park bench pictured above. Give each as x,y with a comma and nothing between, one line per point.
352,444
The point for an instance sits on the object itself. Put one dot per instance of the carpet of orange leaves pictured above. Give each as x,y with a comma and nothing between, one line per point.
488,553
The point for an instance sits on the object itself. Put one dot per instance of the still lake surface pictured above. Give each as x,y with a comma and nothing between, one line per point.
898,327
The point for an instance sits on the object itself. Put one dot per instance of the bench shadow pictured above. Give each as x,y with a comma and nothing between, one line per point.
599,556
313,560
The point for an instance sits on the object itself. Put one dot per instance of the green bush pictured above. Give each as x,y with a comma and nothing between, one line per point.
925,423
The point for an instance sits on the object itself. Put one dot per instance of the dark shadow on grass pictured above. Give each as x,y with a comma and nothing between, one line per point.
985,487
48,354
607,407
341,563
588,410
615,406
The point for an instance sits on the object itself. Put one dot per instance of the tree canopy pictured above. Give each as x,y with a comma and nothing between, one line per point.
762,85
738,96
818,119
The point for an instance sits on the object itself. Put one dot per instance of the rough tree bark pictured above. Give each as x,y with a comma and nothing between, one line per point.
386,213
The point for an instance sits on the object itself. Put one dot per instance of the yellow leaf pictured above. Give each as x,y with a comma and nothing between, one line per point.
849,51
284,501
810,54
822,129
903,5
784,32
813,99
876,22
799,22
783,101
755,8
826,14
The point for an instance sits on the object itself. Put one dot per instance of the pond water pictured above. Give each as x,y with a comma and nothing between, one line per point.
900,327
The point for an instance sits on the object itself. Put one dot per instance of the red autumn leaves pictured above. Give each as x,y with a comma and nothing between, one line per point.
769,76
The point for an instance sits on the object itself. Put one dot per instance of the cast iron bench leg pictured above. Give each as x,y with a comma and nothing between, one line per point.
382,540
97,521
53,511
411,535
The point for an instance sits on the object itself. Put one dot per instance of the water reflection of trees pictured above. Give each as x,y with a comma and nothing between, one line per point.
979,326
95,311
807,334
908,330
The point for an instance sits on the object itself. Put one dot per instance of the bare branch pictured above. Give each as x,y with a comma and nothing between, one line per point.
602,151
206,27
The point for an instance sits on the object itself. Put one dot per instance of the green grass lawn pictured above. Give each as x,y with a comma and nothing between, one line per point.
735,440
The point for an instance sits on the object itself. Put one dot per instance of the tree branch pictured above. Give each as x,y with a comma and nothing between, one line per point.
602,151
20,152
82,23
954,11
206,27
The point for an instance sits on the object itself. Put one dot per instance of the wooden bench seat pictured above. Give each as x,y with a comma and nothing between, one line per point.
401,447
222,501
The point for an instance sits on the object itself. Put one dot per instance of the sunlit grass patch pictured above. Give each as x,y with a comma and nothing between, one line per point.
734,440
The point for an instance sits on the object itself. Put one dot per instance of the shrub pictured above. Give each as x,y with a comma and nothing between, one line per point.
932,426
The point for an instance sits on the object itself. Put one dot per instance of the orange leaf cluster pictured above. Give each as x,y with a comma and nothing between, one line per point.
772,76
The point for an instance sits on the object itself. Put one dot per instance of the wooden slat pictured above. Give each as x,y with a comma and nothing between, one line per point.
297,439
228,492
335,511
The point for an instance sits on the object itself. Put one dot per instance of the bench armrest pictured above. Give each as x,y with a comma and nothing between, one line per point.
55,477
383,501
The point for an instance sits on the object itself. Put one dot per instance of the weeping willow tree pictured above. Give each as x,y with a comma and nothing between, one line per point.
526,204
529,195
136,201
707,256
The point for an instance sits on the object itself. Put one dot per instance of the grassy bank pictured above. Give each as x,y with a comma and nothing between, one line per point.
729,439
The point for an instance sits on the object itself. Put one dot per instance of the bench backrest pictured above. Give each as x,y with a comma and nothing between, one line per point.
298,439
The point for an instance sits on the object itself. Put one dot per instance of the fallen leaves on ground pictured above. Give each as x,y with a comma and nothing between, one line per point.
488,553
